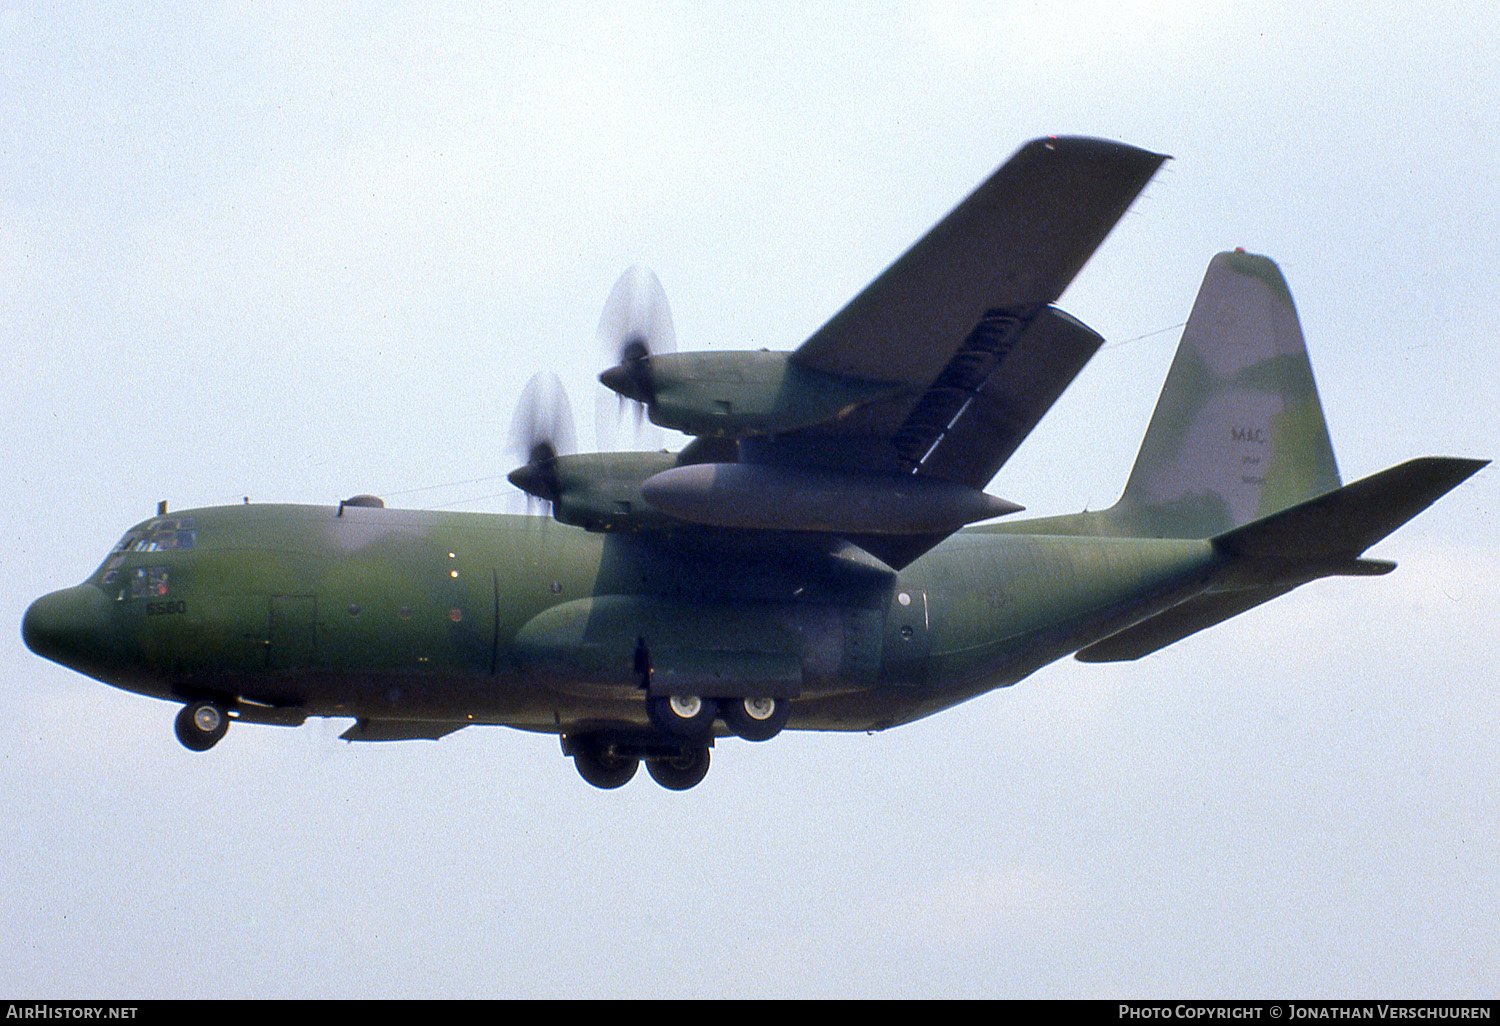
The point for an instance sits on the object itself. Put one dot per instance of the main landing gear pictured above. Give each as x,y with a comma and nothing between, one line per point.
201,725
691,716
755,719
611,762
676,755
679,772
603,763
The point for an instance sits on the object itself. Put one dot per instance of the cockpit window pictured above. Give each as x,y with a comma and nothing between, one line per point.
148,583
160,536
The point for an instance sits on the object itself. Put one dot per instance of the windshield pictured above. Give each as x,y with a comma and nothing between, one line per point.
159,536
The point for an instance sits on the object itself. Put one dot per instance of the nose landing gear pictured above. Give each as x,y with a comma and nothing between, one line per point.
201,724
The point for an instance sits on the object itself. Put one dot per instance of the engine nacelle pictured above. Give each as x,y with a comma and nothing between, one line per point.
732,395
599,491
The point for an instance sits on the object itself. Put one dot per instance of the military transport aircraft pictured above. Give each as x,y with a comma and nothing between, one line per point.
800,563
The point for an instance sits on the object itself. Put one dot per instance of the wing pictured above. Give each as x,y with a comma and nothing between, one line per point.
884,427
1013,245
964,320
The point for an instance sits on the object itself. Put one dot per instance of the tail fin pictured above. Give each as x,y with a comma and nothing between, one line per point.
1238,433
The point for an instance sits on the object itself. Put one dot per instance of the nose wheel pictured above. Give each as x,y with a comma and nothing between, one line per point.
201,724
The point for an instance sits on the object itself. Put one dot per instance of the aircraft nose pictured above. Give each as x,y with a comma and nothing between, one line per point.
67,626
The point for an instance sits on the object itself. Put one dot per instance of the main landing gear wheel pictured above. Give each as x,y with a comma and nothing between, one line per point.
679,772
688,716
200,725
599,764
755,719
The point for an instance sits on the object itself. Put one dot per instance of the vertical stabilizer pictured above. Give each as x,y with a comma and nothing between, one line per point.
1238,432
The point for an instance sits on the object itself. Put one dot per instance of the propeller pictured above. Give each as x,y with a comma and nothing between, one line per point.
541,431
636,324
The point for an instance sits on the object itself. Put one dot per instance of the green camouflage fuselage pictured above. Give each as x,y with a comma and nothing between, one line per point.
479,618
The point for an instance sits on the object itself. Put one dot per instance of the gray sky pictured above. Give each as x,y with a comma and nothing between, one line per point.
297,252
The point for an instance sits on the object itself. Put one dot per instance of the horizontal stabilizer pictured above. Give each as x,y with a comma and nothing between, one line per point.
1340,525
1319,538
1189,617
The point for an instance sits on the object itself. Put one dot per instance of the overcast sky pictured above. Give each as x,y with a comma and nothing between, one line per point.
300,251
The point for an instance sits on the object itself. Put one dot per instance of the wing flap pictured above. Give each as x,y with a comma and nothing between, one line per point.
995,404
